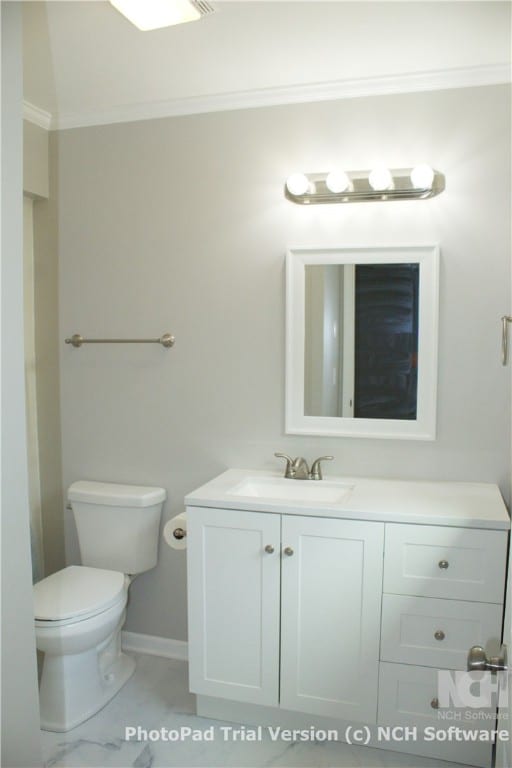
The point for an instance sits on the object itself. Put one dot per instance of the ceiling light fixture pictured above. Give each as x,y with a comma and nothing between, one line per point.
154,14
379,184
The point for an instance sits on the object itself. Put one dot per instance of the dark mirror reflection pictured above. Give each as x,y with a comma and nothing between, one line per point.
361,340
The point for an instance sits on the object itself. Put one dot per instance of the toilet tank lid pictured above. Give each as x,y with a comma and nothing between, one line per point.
116,495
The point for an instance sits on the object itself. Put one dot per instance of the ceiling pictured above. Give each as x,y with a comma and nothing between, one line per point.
85,64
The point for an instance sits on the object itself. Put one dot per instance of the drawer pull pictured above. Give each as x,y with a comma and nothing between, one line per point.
444,564
434,703
439,635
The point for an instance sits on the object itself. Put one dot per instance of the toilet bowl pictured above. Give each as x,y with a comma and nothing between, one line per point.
79,614
80,610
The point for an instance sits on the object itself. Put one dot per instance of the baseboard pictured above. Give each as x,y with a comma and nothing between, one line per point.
155,646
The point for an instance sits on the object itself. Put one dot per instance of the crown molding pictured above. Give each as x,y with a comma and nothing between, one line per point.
461,77
37,116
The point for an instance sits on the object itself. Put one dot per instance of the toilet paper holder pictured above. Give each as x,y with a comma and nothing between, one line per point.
175,532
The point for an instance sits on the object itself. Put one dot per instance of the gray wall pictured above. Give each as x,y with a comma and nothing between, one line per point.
181,225
47,346
20,706
36,174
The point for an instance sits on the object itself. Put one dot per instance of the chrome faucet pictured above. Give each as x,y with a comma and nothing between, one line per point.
316,469
297,469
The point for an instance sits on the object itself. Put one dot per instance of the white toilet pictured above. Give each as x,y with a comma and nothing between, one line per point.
79,611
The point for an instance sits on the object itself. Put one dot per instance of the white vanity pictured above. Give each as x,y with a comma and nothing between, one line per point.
332,603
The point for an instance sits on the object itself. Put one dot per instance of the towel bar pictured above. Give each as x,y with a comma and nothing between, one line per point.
166,340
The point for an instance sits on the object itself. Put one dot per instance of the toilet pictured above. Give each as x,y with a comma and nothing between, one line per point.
80,610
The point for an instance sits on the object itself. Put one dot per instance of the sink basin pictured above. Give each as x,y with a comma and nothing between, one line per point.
321,491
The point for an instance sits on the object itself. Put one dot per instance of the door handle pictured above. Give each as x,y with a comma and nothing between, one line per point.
478,661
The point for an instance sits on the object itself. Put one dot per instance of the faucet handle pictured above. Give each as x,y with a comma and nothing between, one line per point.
316,470
289,472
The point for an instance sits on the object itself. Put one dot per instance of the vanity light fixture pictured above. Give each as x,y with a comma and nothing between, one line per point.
154,14
422,176
298,184
337,181
378,184
380,179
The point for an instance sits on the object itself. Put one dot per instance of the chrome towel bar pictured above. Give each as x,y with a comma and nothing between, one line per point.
166,340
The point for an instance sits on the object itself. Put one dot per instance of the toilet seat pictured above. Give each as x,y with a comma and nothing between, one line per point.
77,593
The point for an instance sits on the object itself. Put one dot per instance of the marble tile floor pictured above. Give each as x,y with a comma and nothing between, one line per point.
157,697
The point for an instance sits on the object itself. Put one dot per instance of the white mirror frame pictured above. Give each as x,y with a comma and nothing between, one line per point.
421,428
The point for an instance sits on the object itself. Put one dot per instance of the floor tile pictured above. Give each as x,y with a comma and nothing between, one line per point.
157,698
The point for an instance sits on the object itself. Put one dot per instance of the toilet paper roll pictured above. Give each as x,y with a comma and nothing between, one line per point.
175,532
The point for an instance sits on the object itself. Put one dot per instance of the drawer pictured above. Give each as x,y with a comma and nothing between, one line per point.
437,633
453,563
406,695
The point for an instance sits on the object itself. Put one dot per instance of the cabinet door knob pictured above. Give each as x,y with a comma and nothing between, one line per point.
269,549
434,703
444,564
439,635
288,551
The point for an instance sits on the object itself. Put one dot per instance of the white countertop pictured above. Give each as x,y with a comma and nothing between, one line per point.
472,505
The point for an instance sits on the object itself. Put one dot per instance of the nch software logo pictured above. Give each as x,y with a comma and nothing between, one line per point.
472,690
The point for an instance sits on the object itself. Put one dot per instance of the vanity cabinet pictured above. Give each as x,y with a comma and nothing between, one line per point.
338,609
285,611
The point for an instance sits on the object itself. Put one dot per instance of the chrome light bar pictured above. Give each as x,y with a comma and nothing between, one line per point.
396,184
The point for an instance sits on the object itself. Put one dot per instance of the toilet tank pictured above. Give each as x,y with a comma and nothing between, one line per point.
117,525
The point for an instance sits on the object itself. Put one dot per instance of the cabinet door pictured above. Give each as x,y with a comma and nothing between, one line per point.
331,602
233,604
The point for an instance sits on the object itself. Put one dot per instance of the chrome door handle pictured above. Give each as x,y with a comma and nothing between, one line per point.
478,661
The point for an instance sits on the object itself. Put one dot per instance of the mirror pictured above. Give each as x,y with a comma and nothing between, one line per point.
361,354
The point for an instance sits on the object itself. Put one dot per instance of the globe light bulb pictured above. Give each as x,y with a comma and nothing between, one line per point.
337,181
297,184
380,178
422,176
